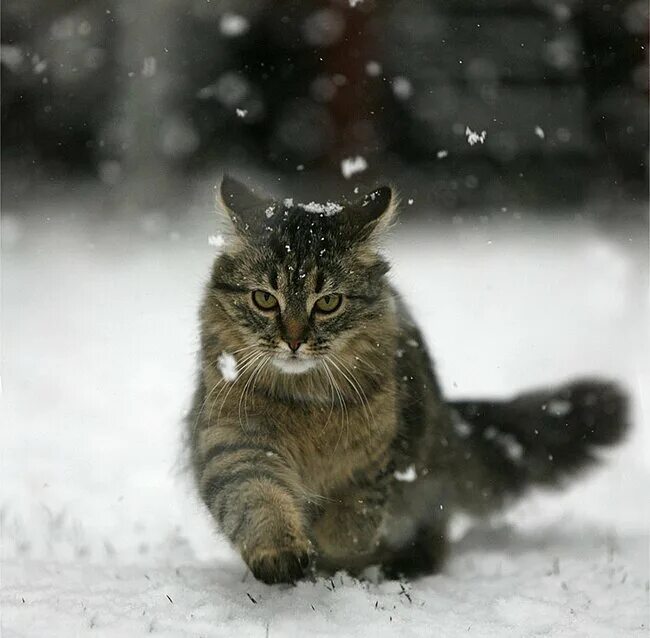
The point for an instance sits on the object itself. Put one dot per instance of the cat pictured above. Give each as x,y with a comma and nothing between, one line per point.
319,436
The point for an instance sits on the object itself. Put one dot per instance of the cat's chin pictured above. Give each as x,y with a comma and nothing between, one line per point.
294,366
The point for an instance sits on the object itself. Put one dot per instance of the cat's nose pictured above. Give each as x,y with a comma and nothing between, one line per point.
294,344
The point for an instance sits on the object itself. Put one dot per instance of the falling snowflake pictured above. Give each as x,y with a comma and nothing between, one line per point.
149,66
539,131
228,367
402,87
559,407
233,24
269,211
473,137
408,475
354,3
373,69
40,65
410,202
217,241
352,165
11,56
241,112
442,154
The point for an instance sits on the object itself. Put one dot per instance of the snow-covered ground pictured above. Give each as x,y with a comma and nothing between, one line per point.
102,535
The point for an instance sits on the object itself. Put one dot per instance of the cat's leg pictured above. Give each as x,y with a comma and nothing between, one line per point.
424,554
347,531
256,499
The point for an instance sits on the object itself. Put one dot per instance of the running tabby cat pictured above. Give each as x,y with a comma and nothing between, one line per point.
319,435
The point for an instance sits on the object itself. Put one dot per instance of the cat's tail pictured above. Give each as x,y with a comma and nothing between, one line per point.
540,437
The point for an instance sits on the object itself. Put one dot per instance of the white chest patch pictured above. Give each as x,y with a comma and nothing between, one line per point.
294,366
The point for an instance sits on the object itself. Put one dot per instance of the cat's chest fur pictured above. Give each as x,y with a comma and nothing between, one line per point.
326,445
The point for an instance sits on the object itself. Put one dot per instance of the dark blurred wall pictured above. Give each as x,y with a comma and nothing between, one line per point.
143,96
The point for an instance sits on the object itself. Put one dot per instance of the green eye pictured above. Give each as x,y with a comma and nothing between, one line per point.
328,303
264,300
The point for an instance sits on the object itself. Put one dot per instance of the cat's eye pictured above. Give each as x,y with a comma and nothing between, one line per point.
328,303
264,300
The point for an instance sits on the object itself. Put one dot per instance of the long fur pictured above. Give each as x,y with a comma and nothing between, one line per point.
358,460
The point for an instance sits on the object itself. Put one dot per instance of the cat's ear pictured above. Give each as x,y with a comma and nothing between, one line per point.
373,214
242,208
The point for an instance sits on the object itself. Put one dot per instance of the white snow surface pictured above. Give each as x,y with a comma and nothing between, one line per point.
102,534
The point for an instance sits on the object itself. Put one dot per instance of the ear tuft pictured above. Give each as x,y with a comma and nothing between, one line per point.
241,206
374,213
237,197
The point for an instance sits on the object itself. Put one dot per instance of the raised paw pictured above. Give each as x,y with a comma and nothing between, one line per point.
282,565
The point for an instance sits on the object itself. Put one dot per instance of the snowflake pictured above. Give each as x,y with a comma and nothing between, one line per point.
402,87
352,165
373,69
328,209
473,137
217,241
408,475
233,24
228,367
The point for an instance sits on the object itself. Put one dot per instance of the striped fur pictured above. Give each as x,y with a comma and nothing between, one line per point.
358,459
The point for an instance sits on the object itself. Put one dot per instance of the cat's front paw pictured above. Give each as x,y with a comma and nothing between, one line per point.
280,564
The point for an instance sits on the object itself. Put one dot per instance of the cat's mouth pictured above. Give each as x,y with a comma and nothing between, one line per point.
293,364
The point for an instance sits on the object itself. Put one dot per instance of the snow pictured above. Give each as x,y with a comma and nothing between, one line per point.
408,475
402,87
228,366
11,56
473,137
539,131
241,112
217,241
232,25
39,66
149,66
442,154
352,165
373,68
103,535
328,209
559,407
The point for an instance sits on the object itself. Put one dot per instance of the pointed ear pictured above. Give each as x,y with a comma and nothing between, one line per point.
242,207
373,214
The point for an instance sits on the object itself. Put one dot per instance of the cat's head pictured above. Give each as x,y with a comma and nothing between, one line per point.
301,284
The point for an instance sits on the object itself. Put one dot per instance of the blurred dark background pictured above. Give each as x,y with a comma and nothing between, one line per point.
138,102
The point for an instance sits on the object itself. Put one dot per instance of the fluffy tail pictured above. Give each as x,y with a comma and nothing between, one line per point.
541,437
